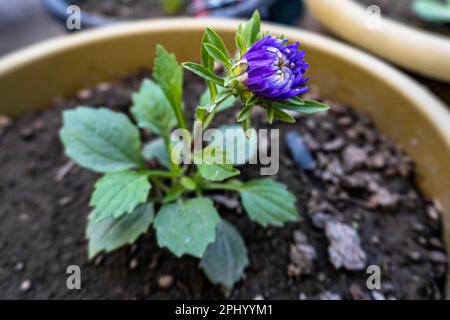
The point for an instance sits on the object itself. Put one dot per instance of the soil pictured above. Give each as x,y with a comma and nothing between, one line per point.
128,9
400,10
359,200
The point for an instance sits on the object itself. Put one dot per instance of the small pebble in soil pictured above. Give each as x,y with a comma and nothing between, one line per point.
415,256
377,295
25,285
302,296
438,257
328,295
353,157
65,201
165,281
258,297
344,249
133,264
302,256
432,213
19,266
227,202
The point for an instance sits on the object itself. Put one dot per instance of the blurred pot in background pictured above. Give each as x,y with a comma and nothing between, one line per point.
96,13
417,50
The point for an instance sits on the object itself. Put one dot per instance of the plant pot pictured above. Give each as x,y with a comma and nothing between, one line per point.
402,109
416,50
282,11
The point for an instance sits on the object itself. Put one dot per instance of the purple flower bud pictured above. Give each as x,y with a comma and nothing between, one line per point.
275,70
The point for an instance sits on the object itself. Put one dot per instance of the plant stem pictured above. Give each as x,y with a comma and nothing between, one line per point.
159,184
180,118
160,173
220,186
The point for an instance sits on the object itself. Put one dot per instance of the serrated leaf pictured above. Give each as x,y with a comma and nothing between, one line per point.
201,71
213,164
268,202
238,148
218,55
112,233
118,193
224,260
187,227
101,140
152,110
157,149
169,75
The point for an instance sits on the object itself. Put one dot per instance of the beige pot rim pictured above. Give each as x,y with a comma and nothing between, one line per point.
416,50
404,110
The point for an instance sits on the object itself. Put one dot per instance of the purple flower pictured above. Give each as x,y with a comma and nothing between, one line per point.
275,70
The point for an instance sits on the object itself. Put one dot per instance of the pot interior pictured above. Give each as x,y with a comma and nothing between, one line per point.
401,109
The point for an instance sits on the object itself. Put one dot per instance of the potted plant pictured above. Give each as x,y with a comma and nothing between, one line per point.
310,256
414,45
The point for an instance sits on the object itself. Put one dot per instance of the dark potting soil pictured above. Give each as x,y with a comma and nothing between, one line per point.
128,9
360,206
400,10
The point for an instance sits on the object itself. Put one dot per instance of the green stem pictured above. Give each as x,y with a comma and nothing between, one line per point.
220,186
180,118
160,173
211,114
159,184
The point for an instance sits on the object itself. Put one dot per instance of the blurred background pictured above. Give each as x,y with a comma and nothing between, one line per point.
26,22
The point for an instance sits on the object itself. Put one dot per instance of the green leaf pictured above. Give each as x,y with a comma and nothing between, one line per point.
173,194
218,55
157,149
245,113
187,227
169,75
208,63
152,110
270,114
252,29
188,183
110,233
201,71
237,147
217,41
213,164
433,11
268,202
240,44
224,260
119,193
283,116
101,140
247,126
302,106
205,100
